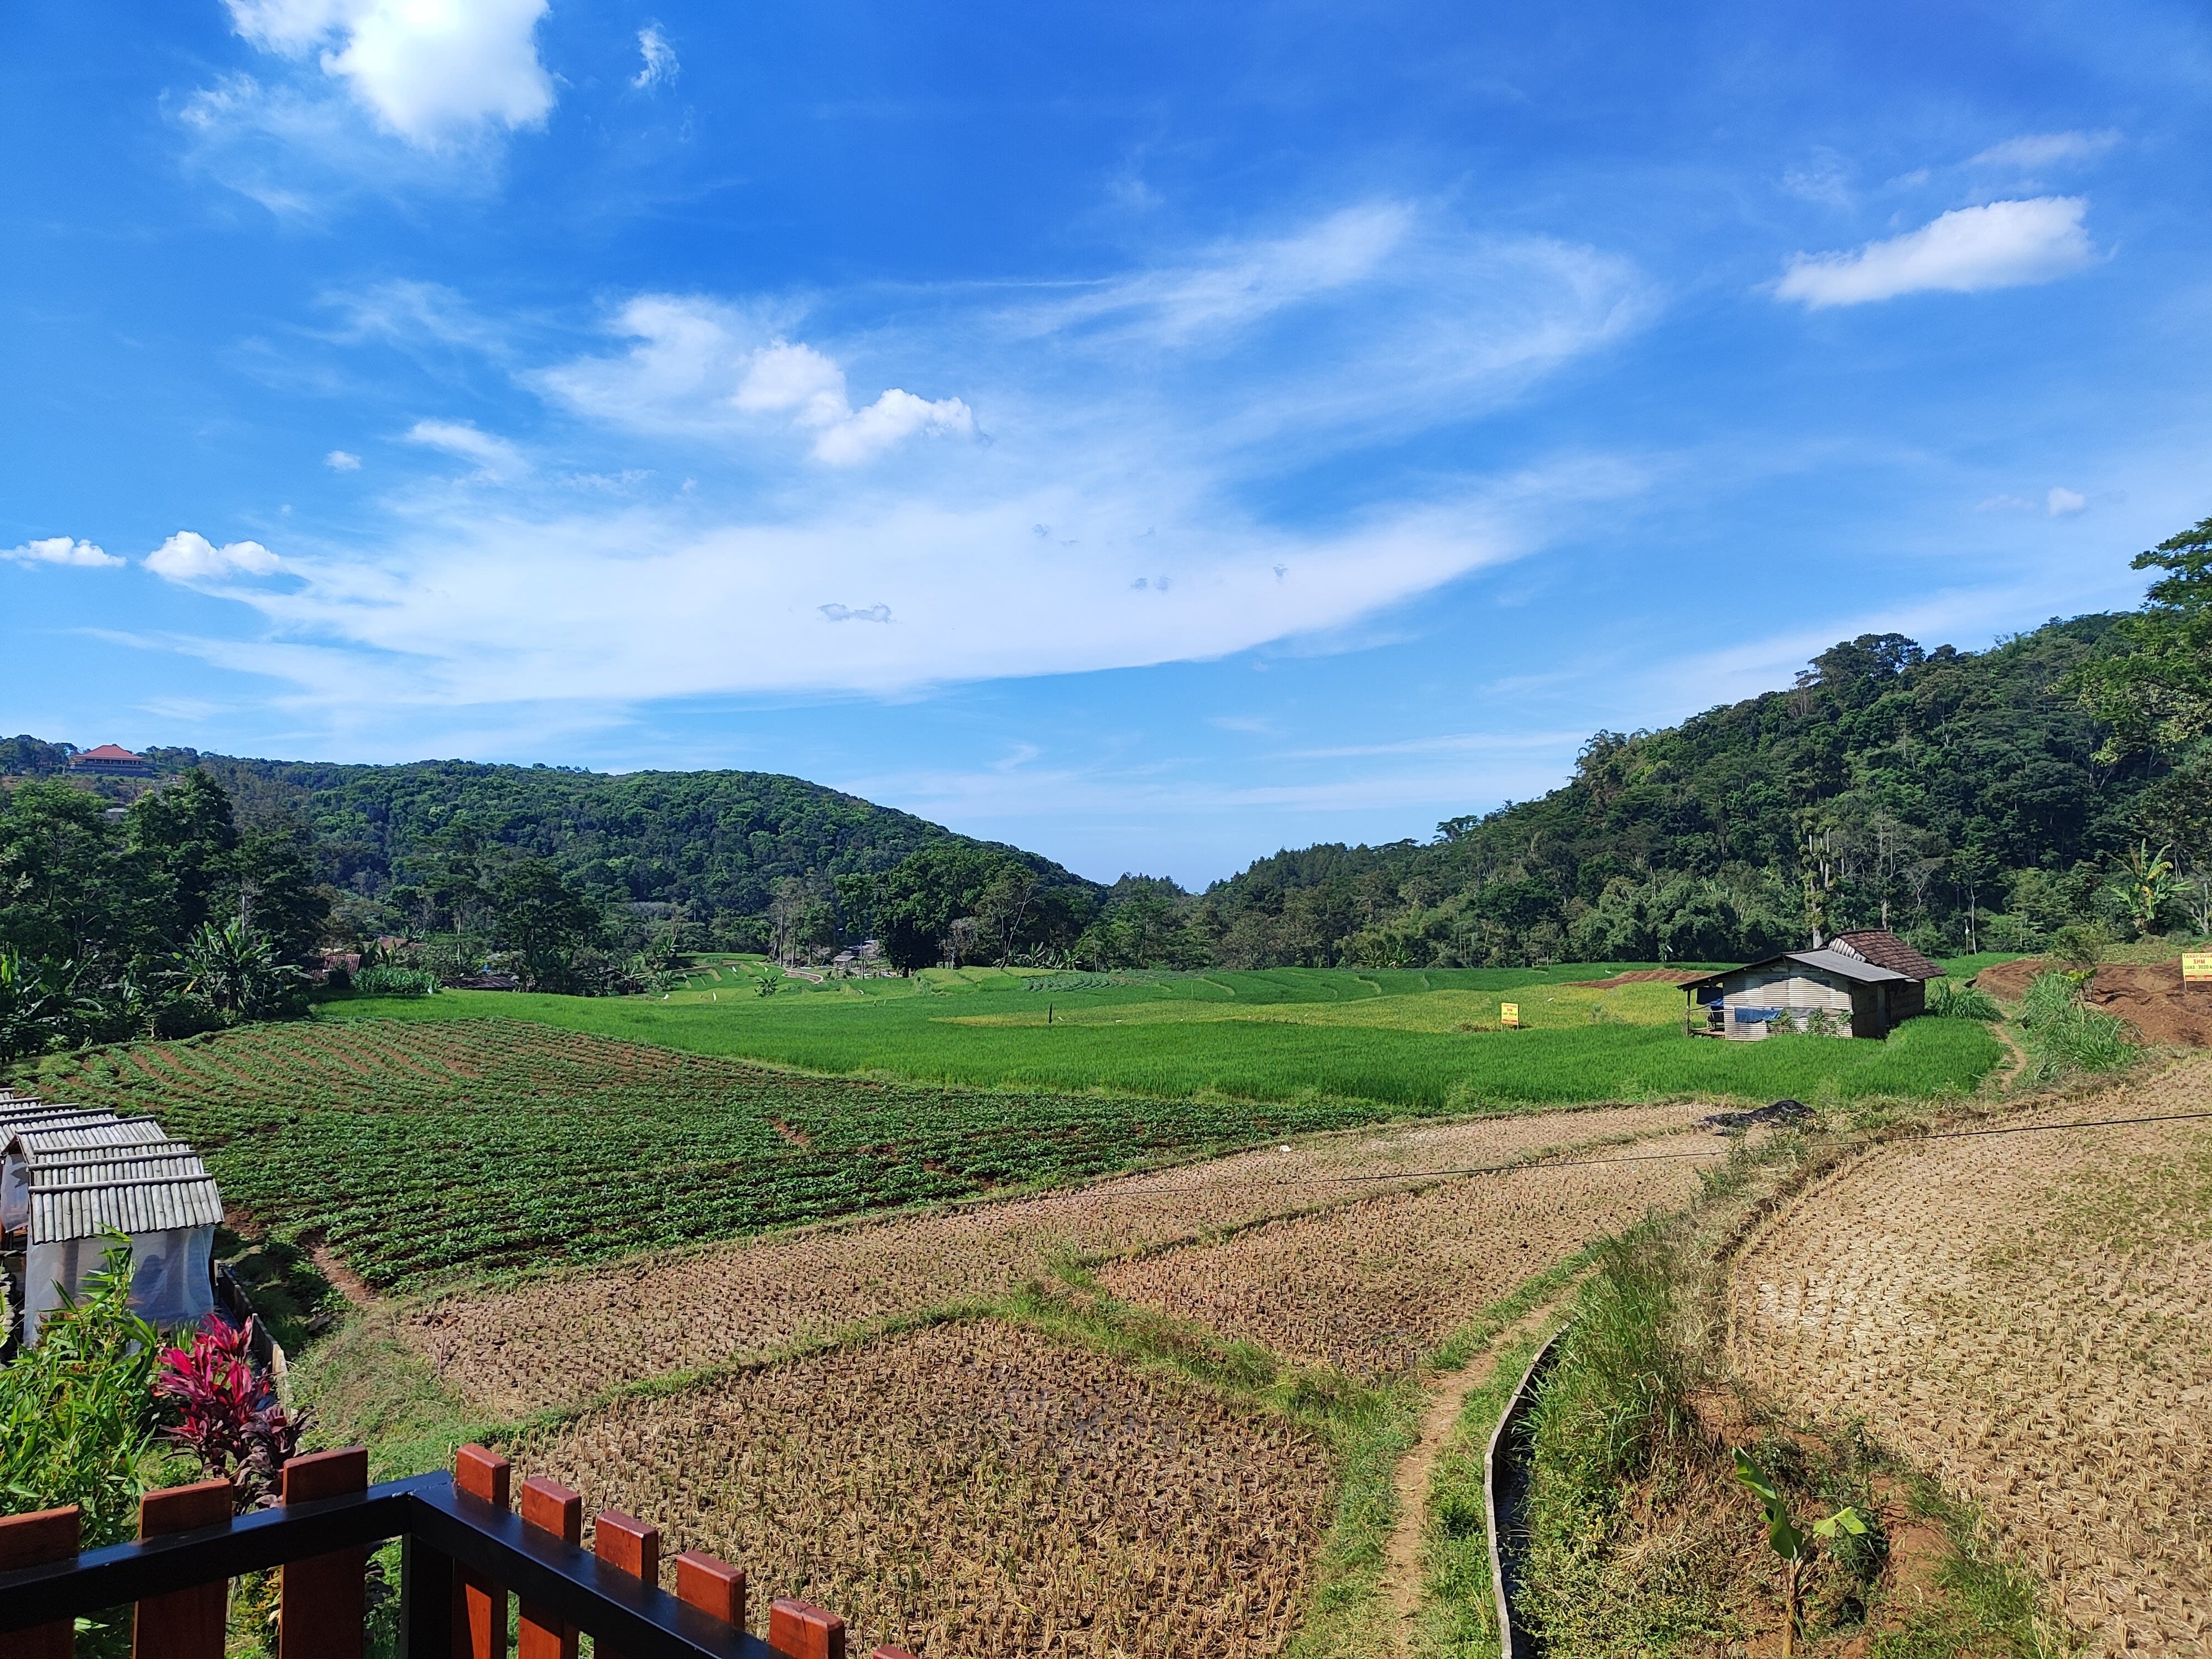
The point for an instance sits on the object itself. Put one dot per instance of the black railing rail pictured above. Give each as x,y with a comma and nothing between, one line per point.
442,1531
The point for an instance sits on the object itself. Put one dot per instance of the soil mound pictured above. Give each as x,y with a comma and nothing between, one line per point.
1640,977
2149,995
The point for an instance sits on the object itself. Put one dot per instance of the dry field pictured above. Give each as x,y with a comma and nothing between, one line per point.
1372,1287
973,1489
561,1340
2030,1316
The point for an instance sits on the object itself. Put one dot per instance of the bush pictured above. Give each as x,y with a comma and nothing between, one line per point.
2065,1034
76,1410
1950,1001
395,982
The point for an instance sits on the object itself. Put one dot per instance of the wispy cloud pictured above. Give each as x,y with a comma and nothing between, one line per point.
60,550
659,66
1967,251
2033,151
495,457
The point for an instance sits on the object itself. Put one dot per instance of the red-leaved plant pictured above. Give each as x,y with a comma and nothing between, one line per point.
229,1416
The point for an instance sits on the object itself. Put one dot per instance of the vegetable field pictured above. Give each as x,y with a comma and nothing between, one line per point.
2025,1316
1409,1042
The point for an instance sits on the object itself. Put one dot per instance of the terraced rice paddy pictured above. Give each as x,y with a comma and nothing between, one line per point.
974,1489
422,1149
1372,1287
559,1340
2030,1316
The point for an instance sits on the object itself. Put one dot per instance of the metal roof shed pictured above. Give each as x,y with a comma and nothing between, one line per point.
73,1130
170,1220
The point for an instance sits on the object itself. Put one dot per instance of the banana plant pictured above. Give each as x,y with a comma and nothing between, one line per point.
1791,1542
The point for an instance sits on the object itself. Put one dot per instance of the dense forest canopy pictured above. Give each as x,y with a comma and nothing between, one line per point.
1967,799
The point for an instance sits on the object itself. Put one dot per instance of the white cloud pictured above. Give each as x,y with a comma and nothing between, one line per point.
2063,503
889,421
495,458
2033,151
660,64
188,557
341,460
1998,245
59,550
1134,434
427,70
702,367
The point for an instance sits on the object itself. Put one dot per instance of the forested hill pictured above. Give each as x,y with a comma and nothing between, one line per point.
719,844
1945,792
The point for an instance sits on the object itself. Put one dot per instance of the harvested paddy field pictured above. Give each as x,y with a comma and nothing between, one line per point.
561,1339
1371,1287
975,1489
2029,1316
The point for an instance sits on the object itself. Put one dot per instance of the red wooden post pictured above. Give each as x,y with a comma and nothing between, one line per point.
713,1586
321,1605
804,1631
480,1603
549,1507
633,1545
38,1540
185,1624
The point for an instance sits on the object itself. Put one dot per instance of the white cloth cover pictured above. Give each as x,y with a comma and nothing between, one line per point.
171,1276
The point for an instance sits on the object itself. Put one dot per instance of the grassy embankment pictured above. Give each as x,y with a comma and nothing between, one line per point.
1410,1041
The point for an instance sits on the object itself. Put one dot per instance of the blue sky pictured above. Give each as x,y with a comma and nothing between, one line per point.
1154,435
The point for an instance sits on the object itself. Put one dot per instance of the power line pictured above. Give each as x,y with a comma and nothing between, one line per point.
2089,1123
1519,1165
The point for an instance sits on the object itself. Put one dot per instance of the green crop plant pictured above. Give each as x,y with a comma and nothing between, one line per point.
1788,1541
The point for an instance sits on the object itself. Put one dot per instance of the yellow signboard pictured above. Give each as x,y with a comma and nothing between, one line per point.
1509,1015
2197,966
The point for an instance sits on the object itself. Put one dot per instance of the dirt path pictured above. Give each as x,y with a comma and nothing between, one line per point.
1402,1575
2025,1316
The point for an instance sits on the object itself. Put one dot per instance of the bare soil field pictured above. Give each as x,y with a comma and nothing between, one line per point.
1371,1288
2029,1316
2149,995
974,1489
561,1340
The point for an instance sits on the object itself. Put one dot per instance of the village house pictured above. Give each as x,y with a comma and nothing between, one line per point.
1859,984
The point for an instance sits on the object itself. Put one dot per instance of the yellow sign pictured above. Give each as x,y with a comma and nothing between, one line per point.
1509,1015
2195,967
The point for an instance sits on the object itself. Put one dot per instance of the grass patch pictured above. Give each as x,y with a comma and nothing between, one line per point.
2064,1034
1459,1614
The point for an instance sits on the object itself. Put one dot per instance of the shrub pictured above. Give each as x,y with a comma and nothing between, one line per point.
228,1416
76,1409
387,982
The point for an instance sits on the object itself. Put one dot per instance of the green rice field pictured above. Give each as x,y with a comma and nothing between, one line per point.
1406,1041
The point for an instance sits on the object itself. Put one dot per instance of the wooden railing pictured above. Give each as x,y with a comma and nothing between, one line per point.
463,1551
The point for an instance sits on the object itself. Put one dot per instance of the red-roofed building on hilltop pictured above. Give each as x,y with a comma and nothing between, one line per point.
112,761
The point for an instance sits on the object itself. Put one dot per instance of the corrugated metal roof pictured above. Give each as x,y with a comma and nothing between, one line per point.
142,1207
1884,950
1832,962
170,1161
127,1132
90,1158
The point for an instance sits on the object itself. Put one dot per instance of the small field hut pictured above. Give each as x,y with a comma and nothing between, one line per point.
1862,984
70,1179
